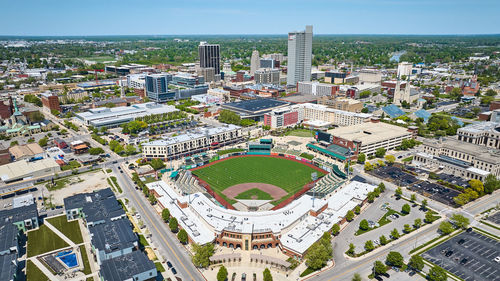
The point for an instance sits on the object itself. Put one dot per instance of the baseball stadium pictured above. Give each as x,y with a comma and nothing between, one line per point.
258,198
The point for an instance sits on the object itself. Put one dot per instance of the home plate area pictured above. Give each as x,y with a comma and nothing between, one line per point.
254,196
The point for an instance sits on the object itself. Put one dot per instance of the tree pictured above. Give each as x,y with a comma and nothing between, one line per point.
317,255
477,186
491,93
369,246
406,209
222,274
165,214
37,117
267,275
335,229
43,141
173,224
417,223
182,236
381,187
152,199
424,204
380,152
416,262
491,184
446,228
356,277
460,221
429,217
413,197
202,254
395,234
361,158
399,192
349,216
96,151
370,197
357,210
351,250
363,225
436,273
157,164
394,259
130,149
407,228
368,166
383,240
379,268
390,158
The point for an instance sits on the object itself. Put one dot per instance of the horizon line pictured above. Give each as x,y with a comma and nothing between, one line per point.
262,34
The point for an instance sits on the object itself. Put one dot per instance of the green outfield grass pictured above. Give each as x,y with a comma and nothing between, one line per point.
259,195
287,174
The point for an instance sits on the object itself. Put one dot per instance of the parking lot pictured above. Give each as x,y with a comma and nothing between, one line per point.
495,218
436,192
469,255
453,179
395,175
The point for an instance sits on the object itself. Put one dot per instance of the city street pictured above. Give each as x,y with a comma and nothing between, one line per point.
162,237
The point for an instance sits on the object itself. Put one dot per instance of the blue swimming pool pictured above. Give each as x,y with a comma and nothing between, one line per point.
63,253
69,260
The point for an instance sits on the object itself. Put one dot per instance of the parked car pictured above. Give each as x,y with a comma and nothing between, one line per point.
174,271
169,264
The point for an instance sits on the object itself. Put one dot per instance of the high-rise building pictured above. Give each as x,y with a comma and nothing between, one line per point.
299,56
209,56
404,68
254,62
50,102
157,88
267,76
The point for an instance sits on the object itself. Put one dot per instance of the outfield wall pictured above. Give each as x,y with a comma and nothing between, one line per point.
293,197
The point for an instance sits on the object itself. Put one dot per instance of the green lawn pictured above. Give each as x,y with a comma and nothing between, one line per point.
58,184
33,273
307,156
70,229
300,133
227,151
259,195
143,240
43,240
85,259
159,267
287,174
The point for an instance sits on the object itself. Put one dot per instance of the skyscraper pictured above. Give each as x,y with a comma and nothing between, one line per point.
209,56
299,56
157,88
254,62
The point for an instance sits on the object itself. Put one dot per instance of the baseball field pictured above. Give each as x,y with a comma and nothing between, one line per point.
258,178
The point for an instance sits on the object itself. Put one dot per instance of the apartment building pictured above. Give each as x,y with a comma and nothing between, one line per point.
196,141
316,88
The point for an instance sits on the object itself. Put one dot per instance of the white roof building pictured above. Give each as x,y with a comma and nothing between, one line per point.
295,223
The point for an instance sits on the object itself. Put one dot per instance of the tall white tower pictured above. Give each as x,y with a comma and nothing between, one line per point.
254,62
404,71
299,56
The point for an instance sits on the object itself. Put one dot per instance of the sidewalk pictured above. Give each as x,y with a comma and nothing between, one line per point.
60,234
45,271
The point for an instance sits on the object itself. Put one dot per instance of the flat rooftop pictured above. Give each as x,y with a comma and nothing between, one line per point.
193,134
368,133
23,168
255,106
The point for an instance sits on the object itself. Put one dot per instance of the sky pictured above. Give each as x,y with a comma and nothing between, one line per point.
178,17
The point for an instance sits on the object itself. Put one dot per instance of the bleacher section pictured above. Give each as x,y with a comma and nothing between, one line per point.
326,185
187,183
